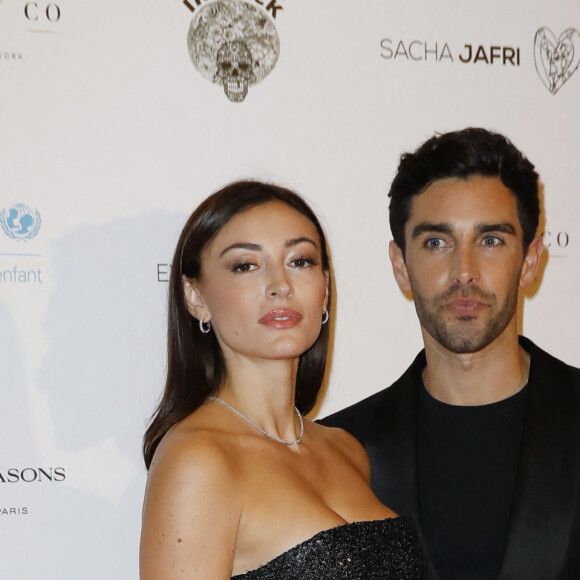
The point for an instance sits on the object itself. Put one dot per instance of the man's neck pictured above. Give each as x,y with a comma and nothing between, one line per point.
491,374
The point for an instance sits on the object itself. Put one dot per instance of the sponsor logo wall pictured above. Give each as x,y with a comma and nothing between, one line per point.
118,118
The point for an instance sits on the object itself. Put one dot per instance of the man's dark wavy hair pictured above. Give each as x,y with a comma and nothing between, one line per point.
463,154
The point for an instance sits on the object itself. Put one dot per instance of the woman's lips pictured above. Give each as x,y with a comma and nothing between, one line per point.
281,318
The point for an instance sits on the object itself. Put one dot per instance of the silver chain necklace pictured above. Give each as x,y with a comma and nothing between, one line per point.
252,424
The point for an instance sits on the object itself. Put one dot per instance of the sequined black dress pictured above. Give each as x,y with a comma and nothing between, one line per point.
383,549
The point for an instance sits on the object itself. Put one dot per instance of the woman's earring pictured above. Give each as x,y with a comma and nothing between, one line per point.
204,327
325,316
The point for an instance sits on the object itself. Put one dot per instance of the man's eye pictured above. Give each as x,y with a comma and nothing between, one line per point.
435,243
491,241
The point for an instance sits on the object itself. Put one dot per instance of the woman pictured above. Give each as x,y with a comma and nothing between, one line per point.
240,485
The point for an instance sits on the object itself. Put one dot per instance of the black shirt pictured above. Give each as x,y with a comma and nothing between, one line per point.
468,463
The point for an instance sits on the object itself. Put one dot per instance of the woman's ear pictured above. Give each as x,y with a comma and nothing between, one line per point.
194,300
327,276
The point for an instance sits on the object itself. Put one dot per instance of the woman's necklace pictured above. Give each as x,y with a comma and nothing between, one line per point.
251,423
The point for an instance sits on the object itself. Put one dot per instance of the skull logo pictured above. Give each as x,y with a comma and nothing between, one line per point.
232,44
235,69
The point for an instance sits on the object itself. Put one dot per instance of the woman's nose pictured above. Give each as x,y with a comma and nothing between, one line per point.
279,283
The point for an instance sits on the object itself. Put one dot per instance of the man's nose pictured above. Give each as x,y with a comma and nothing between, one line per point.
465,267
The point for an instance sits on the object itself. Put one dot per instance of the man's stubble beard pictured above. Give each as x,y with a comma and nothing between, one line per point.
465,335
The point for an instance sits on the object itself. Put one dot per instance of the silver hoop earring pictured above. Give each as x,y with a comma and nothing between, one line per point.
204,327
325,316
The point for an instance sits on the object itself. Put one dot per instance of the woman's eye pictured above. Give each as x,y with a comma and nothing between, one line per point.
302,262
244,267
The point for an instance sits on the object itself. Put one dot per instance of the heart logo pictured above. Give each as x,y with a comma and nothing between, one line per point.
556,58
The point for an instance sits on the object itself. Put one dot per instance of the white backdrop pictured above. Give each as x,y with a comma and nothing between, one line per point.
109,137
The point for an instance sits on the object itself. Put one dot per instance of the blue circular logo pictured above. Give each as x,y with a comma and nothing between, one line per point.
20,222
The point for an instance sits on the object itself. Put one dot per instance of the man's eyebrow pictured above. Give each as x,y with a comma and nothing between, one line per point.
501,227
242,245
431,227
258,247
446,228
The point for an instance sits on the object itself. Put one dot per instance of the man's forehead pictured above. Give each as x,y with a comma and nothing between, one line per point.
476,199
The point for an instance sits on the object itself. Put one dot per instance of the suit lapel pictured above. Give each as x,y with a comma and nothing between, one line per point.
545,494
392,443
386,425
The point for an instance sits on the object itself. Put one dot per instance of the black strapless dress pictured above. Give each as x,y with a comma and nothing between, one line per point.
382,549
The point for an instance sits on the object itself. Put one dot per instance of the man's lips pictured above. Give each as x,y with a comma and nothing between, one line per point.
281,318
466,306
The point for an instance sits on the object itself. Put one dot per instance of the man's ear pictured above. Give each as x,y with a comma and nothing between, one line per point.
194,300
531,262
399,267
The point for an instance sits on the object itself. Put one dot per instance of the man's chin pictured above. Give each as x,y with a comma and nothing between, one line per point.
467,347
460,342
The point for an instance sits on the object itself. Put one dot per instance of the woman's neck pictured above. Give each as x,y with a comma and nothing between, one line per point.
264,392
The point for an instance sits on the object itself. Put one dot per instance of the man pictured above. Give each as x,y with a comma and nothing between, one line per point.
479,439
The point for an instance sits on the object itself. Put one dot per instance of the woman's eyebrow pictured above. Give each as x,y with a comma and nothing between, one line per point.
242,245
258,247
294,241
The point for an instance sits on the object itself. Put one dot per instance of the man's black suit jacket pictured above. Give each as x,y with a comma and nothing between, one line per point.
543,540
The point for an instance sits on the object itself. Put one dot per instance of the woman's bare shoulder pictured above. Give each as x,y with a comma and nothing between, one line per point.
192,505
343,443
191,450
